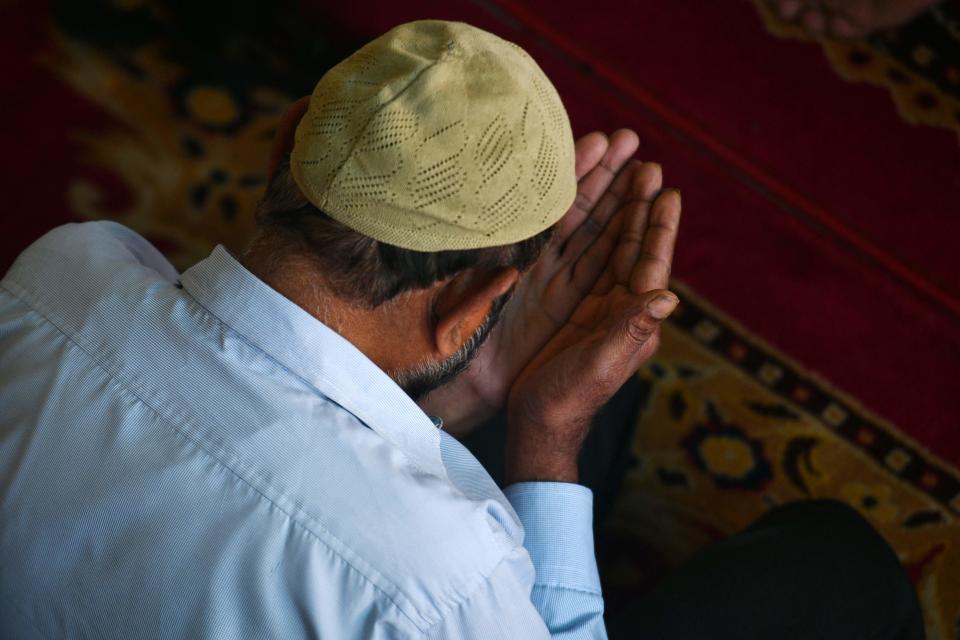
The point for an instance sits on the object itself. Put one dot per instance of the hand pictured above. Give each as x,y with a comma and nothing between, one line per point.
848,19
613,330
544,298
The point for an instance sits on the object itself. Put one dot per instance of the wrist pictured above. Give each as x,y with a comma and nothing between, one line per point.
536,454
541,473
570,476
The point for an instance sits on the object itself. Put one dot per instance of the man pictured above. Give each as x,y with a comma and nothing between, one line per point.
236,451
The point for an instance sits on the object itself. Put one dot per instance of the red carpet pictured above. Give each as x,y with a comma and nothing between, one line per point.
813,212
821,187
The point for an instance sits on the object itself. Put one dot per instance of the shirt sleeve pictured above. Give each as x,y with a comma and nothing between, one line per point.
547,588
557,519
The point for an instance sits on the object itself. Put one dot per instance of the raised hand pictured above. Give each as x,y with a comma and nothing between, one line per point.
547,295
612,331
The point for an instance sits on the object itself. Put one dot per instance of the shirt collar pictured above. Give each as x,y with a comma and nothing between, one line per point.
315,353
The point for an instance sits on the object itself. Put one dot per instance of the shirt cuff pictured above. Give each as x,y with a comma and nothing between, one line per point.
557,519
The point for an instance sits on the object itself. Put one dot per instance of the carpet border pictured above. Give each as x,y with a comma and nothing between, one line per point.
896,452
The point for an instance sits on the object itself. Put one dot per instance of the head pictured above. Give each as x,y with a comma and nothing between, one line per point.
410,192
440,306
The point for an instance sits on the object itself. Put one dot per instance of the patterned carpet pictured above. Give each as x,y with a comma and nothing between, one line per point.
160,116
731,427
919,64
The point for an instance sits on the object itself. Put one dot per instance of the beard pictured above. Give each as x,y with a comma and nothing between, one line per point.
428,375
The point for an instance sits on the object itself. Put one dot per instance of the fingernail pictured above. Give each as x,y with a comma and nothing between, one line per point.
662,306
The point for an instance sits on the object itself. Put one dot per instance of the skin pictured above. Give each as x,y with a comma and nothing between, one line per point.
847,19
459,304
580,322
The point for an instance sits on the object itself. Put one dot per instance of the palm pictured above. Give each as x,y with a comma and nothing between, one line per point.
547,296
576,368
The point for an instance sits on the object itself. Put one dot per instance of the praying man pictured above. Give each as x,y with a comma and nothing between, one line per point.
259,447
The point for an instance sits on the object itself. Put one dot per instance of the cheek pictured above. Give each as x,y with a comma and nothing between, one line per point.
417,339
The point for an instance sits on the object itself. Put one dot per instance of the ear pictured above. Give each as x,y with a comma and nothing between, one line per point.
286,128
463,304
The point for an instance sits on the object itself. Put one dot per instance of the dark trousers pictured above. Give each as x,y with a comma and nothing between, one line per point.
811,570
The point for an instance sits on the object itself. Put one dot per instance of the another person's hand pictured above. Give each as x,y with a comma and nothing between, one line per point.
545,296
848,19
612,331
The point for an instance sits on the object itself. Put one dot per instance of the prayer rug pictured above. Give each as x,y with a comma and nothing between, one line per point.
841,257
730,427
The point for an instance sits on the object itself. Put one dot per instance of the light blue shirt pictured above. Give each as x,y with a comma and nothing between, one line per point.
210,461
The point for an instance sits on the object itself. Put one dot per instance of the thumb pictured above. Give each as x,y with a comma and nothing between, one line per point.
636,327
617,356
654,307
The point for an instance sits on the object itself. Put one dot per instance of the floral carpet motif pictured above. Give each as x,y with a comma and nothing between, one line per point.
729,427
732,428
194,101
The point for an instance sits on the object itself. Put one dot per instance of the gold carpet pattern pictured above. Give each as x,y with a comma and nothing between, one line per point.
732,428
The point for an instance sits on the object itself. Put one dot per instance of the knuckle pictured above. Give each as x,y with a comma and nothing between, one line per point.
638,330
583,202
652,171
649,256
592,226
655,261
606,165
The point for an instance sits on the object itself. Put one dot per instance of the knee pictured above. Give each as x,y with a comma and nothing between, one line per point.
839,542
833,531
836,525
834,515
